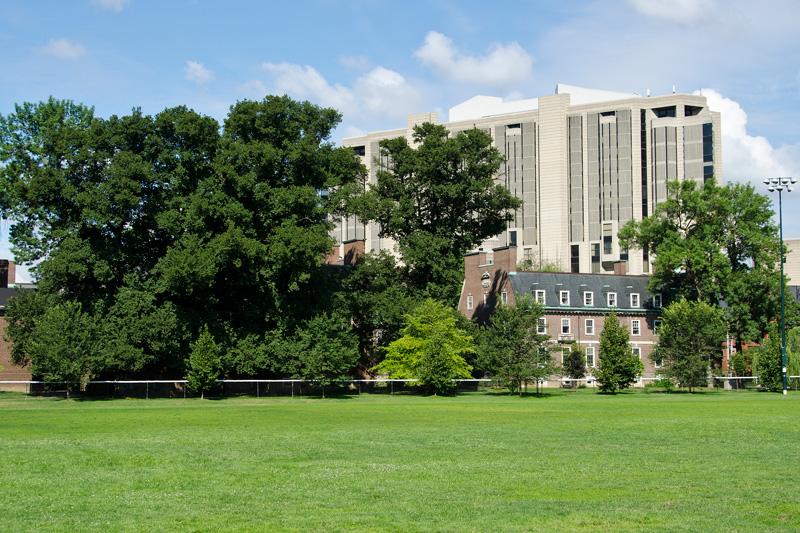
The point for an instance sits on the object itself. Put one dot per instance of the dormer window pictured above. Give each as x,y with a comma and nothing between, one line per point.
563,297
611,299
634,299
538,295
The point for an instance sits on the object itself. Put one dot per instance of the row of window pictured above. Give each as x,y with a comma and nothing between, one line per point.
591,360
588,298
588,326
471,300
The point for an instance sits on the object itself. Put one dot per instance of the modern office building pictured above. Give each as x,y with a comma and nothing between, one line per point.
582,161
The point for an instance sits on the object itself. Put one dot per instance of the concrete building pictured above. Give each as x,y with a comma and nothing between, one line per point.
575,305
582,161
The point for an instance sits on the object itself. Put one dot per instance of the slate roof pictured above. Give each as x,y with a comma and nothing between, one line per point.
599,284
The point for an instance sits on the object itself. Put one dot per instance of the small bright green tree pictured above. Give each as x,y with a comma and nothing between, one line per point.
767,361
431,349
509,345
690,340
327,349
574,366
619,367
205,364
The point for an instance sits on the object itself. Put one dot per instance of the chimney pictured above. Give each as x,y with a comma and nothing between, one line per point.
505,258
352,250
8,273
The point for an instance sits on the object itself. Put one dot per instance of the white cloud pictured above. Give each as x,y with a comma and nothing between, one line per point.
111,5
502,66
745,157
359,62
197,72
680,11
378,93
63,49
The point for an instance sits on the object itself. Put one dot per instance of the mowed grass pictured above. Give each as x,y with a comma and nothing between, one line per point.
476,462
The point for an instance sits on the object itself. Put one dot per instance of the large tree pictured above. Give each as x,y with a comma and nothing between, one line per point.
509,347
438,198
715,243
690,341
158,225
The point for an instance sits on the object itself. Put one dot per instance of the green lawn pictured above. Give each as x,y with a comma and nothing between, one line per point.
479,462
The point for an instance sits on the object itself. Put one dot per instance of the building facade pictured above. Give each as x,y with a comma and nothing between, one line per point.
575,305
583,162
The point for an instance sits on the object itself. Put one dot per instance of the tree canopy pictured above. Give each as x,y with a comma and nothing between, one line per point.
619,368
438,199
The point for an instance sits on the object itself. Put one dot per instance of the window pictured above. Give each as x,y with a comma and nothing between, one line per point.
575,258
512,237
565,326
563,297
539,296
657,362
608,245
589,326
470,302
588,299
504,297
590,356
595,257
634,299
360,150
541,326
656,326
611,299
657,301
637,351
636,327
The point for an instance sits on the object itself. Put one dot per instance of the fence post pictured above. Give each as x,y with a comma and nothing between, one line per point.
147,390
258,392
292,388
391,387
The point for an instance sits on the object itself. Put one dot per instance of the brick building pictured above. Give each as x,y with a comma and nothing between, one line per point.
8,370
575,305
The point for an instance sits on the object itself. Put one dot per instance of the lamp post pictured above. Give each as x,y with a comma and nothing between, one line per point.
781,184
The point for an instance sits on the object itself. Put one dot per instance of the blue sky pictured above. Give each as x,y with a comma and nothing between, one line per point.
378,61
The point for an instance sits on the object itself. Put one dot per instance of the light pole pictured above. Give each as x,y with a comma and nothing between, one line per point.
779,184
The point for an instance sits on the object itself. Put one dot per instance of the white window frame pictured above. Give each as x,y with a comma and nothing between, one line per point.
635,300
656,326
637,332
657,301
541,326
568,323
588,299
470,302
586,326
561,299
540,296
609,297
637,351
504,297
590,352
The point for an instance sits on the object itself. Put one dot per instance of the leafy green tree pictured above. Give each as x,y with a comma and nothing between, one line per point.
619,368
376,298
204,364
713,243
157,225
63,347
690,341
438,199
431,349
767,364
327,349
574,366
509,347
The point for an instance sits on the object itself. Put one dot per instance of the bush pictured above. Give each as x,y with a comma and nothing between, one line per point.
205,364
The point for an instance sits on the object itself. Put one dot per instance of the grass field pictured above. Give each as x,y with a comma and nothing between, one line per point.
478,462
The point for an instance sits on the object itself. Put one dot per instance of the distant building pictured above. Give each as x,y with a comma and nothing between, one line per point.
575,305
583,162
8,370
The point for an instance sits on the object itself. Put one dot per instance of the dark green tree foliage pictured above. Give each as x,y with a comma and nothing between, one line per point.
204,364
509,347
690,341
438,199
158,225
619,368
431,349
327,350
715,243
375,295
574,366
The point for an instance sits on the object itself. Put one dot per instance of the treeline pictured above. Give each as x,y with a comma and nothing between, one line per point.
150,232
